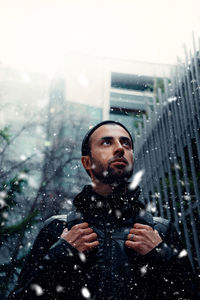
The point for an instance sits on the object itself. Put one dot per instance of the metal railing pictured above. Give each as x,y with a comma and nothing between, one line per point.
167,149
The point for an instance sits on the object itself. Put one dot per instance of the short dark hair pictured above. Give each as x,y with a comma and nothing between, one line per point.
85,148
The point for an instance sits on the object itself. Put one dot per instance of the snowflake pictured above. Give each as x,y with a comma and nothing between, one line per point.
143,270
136,180
182,253
37,288
82,256
85,292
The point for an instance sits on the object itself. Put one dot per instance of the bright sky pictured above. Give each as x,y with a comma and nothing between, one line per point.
35,34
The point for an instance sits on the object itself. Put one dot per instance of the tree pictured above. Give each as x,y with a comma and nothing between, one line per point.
10,189
53,168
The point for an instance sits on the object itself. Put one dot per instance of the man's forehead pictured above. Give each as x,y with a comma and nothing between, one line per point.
109,130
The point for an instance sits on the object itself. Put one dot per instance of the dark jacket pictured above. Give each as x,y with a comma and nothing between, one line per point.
56,270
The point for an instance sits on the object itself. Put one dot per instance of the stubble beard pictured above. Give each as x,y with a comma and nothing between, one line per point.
111,176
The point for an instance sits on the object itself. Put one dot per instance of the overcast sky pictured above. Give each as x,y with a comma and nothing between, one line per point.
35,34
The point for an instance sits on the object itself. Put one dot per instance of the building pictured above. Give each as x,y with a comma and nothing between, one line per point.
110,88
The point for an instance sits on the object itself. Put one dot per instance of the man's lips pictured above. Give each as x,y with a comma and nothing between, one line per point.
119,162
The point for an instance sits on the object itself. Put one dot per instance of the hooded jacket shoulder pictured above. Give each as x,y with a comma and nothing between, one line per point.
45,260
161,224
65,218
56,217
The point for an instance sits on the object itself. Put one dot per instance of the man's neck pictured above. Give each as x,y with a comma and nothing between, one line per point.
104,189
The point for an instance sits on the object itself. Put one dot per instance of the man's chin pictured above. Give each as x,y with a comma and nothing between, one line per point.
112,176
115,180
118,177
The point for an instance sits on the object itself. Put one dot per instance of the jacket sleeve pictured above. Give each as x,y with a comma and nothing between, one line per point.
48,259
171,263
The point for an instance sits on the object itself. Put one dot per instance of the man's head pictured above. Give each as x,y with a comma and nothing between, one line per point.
107,152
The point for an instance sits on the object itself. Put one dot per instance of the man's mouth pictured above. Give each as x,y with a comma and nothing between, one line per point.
119,163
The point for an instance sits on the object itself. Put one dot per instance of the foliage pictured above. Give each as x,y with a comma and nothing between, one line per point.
4,135
11,228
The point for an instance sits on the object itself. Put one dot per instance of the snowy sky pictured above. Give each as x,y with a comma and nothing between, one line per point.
35,34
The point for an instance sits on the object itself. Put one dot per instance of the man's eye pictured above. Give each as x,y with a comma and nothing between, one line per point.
106,142
127,143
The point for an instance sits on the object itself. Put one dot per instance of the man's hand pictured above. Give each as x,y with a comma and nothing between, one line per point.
142,238
81,237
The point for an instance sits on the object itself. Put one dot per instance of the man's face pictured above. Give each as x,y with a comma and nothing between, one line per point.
111,154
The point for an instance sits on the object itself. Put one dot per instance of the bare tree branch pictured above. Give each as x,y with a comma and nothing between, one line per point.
16,166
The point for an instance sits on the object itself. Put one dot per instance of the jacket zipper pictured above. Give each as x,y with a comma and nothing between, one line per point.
108,252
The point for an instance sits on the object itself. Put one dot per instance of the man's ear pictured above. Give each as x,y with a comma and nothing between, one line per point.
86,162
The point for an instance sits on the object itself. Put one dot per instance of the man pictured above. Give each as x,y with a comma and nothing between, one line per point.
108,246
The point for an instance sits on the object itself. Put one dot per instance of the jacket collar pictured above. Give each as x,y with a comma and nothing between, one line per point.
88,201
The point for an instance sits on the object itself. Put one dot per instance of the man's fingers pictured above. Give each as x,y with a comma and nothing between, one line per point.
90,237
81,237
87,231
136,231
134,237
81,229
84,246
142,226
92,244
79,232
141,232
81,225
132,244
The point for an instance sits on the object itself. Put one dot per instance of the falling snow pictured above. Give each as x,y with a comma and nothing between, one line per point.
3,194
151,207
99,204
118,213
143,270
59,288
2,203
105,173
183,253
172,99
82,256
136,179
22,157
23,176
53,178
85,292
37,288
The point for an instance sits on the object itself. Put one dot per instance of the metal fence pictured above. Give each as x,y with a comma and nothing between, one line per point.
167,149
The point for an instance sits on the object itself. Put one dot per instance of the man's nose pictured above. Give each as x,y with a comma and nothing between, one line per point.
118,150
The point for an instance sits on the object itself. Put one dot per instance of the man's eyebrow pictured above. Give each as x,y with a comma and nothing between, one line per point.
106,138
124,138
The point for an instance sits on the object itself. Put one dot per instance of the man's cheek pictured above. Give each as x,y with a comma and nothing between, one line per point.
103,157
